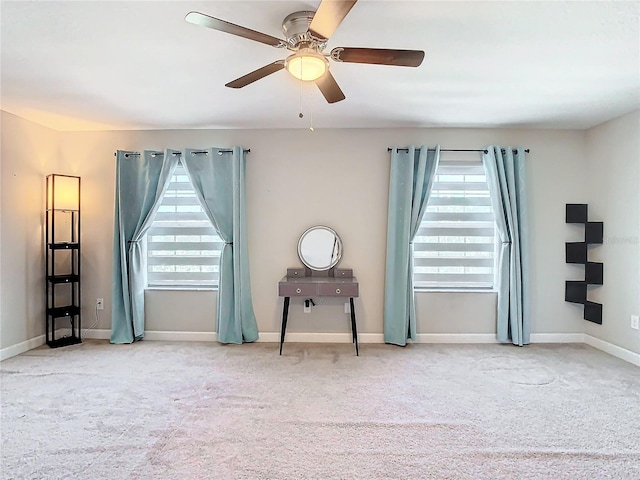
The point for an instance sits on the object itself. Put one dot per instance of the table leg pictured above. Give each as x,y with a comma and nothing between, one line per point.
285,313
354,330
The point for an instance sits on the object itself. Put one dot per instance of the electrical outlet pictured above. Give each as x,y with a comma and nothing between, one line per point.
635,322
347,307
307,306
100,304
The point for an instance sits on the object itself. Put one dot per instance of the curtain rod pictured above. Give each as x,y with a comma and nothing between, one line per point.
457,150
153,154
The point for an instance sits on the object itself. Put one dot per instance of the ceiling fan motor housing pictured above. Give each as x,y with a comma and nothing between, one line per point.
296,29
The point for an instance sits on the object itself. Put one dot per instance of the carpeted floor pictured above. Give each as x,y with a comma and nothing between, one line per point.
161,410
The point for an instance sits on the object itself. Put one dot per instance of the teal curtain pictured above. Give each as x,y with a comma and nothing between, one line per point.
505,169
411,178
141,180
218,176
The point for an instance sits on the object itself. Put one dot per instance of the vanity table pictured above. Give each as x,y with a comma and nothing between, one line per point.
320,250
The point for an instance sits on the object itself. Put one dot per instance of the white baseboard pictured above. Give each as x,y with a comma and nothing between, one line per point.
455,338
420,337
21,347
310,337
265,337
344,337
159,335
101,334
181,336
557,338
611,349
491,338
307,337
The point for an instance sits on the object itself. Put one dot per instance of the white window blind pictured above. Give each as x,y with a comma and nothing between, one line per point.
183,248
455,244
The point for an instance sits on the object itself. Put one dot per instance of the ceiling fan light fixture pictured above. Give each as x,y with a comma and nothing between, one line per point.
307,65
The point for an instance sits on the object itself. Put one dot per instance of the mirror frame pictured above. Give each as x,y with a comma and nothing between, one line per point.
339,244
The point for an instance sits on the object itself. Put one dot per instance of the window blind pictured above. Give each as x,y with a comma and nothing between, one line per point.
455,243
183,248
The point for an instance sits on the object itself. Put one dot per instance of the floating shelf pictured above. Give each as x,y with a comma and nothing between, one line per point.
593,312
577,253
593,233
593,273
576,213
575,292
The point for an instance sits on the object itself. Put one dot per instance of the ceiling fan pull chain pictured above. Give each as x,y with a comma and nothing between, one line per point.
311,116
300,115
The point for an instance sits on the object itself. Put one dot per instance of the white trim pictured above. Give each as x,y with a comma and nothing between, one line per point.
101,334
420,337
309,337
181,336
343,337
158,335
611,349
491,338
21,347
557,338
456,338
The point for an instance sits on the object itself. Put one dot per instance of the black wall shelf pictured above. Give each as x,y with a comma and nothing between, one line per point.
577,253
593,233
593,273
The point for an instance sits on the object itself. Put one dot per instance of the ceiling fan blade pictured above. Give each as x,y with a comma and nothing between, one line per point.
378,56
329,88
329,16
256,75
206,21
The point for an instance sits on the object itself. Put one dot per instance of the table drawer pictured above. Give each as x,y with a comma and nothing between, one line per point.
339,289
296,272
297,289
343,273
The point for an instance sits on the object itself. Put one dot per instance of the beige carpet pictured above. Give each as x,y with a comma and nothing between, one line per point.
159,410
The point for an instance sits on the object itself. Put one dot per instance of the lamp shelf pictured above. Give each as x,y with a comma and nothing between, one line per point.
63,278
62,260
64,311
65,341
64,246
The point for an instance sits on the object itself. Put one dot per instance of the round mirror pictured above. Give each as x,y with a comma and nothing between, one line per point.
320,248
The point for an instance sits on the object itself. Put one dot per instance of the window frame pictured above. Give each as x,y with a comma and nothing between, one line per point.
473,167
189,221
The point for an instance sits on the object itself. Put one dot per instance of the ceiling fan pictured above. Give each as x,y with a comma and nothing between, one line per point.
306,35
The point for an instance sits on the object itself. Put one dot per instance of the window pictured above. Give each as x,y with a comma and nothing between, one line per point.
183,248
455,244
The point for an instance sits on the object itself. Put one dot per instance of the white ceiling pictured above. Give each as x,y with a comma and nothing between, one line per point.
81,65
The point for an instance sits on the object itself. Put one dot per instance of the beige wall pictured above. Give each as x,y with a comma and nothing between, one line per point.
613,153
295,179
29,153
